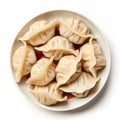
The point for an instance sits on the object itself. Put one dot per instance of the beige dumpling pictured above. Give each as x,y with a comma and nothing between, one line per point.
42,72
48,95
92,57
81,86
57,46
40,32
23,60
75,30
77,25
68,69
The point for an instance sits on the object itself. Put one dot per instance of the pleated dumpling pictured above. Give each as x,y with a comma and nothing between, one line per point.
68,69
23,60
42,72
75,30
48,94
92,57
40,32
81,86
77,25
57,46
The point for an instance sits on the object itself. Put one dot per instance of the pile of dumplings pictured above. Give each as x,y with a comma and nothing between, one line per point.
58,57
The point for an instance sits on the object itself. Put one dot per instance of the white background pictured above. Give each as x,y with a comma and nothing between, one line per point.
14,14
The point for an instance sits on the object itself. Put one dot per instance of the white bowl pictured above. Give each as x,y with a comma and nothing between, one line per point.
75,102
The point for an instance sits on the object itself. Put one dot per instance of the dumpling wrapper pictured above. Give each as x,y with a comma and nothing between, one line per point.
81,95
75,30
68,69
23,60
48,95
81,86
39,32
57,46
77,25
92,57
43,72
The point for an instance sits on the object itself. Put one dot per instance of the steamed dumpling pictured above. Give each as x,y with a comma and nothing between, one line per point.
92,57
58,46
77,25
81,86
75,30
42,72
48,95
40,32
23,60
68,69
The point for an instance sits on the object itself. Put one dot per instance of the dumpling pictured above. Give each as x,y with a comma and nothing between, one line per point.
68,69
77,25
81,86
58,46
42,72
92,57
40,32
48,95
75,30
23,60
